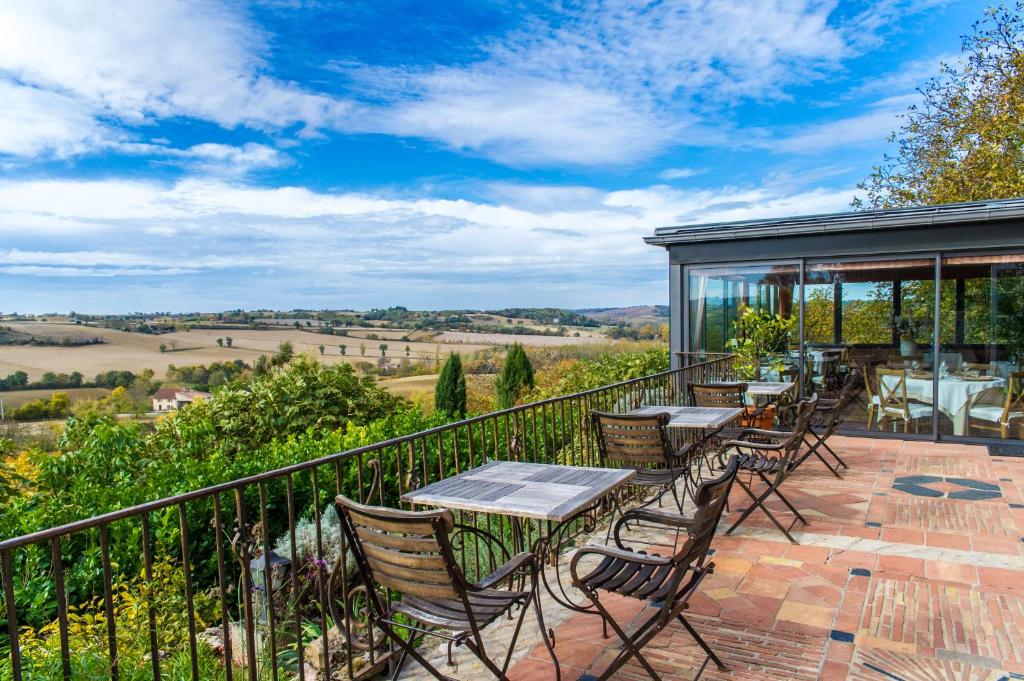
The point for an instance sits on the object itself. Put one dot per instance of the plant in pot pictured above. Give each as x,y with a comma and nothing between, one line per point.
760,341
908,329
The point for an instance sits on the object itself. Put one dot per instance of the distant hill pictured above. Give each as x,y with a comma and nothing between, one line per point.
636,314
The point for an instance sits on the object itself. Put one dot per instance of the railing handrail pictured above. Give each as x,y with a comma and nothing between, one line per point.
166,502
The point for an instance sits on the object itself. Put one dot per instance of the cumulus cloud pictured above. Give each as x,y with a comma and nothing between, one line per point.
239,245
78,71
611,82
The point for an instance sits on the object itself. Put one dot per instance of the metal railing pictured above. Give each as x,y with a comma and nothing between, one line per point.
205,559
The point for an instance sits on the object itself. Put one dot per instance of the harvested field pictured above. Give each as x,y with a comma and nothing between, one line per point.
16,398
124,350
460,337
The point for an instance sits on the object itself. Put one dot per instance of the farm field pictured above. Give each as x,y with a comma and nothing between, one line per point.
135,352
410,385
16,398
469,337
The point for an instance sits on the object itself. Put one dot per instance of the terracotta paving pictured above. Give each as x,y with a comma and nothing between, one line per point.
912,568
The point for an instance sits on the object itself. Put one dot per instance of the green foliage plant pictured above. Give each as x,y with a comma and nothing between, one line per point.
759,335
515,378
450,390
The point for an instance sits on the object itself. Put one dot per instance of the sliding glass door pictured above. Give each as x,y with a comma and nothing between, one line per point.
981,325
884,317
873,315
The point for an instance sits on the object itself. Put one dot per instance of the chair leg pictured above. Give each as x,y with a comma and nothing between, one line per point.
411,650
630,645
835,456
703,644
403,657
775,489
759,503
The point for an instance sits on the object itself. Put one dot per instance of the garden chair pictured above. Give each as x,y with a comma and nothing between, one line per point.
999,417
409,552
641,442
893,403
771,456
666,582
828,381
732,395
827,417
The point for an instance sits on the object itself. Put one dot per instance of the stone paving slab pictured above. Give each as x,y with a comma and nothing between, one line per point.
887,582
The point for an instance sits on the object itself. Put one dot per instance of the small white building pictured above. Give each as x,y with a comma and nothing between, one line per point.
169,399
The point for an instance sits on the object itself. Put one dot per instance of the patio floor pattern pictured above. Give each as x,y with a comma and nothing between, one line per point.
912,568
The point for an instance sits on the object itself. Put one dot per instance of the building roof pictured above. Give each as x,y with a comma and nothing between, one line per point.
890,219
189,395
165,394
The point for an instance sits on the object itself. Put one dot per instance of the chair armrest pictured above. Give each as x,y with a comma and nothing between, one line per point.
658,517
780,435
615,554
743,444
515,564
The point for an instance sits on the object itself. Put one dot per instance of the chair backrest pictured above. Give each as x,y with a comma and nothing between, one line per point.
718,394
407,551
633,440
834,412
982,368
892,393
1014,396
804,413
710,498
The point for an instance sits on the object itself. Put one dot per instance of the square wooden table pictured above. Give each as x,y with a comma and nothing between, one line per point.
769,388
693,417
523,490
556,494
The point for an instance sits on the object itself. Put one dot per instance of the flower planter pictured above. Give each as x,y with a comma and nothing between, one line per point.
764,421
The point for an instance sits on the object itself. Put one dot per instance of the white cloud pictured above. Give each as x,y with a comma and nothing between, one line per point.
867,128
237,245
681,173
605,83
214,158
72,65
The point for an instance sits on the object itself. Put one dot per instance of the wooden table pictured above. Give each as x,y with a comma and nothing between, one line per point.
523,490
556,494
693,417
770,388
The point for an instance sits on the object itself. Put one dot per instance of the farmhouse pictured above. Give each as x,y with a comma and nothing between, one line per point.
169,399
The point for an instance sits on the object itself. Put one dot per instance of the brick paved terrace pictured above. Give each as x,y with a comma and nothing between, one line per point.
912,568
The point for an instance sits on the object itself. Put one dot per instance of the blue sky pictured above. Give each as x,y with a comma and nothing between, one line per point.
191,155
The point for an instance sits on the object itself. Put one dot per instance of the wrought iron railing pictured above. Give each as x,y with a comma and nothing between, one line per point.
264,614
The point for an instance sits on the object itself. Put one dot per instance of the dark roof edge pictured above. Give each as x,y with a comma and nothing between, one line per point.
894,218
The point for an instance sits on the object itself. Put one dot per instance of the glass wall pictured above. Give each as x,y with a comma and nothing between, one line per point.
718,295
850,312
879,316
981,325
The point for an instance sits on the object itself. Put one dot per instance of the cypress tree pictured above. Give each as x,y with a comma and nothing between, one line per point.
516,376
450,391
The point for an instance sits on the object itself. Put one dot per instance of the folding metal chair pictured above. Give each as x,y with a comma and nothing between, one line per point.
665,581
409,552
826,419
754,447
641,442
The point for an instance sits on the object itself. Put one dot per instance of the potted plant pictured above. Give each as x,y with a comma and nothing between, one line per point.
760,339
908,330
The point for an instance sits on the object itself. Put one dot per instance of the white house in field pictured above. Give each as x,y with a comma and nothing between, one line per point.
169,399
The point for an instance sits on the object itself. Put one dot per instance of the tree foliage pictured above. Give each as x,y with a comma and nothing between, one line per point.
965,141
515,378
450,391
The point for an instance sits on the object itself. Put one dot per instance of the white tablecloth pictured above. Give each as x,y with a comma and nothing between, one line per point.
954,393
